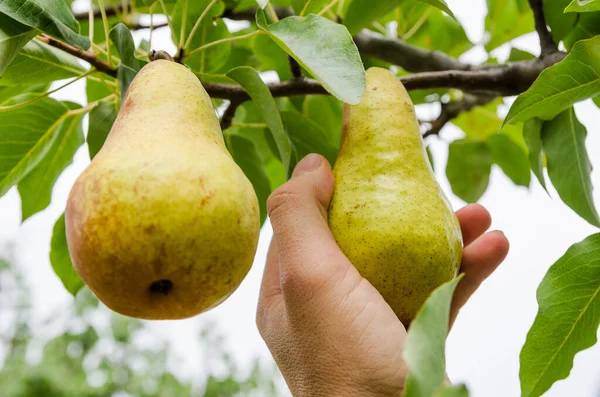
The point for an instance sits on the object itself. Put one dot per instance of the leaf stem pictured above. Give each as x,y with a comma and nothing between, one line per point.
91,105
340,8
105,23
183,23
91,23
188,43
272,12
44,95
228,39
151,10
328,7
250,125
164,8
415,28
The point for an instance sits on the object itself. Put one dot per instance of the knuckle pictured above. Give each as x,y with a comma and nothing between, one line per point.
300,281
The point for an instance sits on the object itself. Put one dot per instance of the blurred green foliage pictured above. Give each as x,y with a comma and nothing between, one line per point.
84,359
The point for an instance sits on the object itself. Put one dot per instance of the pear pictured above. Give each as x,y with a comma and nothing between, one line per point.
388,213
163,224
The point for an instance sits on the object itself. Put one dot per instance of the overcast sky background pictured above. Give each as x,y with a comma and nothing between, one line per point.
483,348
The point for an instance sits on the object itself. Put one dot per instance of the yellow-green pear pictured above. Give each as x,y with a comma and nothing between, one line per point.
388,213
163,224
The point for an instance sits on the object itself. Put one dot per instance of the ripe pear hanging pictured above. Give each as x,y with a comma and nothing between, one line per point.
163,224
388,213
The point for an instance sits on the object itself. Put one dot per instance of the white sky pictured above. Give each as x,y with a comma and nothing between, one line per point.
483,349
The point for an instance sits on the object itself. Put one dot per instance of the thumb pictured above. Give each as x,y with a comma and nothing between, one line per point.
298,213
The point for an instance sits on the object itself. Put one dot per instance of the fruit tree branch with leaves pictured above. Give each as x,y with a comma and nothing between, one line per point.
319,50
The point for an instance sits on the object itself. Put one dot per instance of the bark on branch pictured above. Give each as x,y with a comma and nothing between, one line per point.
432,69
452,110
547,44
90,58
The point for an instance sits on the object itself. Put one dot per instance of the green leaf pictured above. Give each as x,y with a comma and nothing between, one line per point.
587,27
583,6
560,23
468,168
36,188
308,137
532,132
245,155
326,112
39,63
249,123
441,33
96,90
517,55
574,79
212,28
271,56
129,65
305,7
101,119
26,135
250,80
60,259
430,157
511,157
597,101
7,93
441,4
325,49
506,20
569,166
425,353
567,320
50,16
453,391
13,36
361,13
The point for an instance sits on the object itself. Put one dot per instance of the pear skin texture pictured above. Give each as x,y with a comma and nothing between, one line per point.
388,213
163,224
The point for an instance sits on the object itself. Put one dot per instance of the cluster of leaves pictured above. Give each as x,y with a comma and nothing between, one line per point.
91,361
267,135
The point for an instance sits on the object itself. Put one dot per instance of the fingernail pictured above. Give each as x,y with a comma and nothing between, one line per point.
308,163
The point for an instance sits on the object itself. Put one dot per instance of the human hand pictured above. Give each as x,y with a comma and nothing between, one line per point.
329,330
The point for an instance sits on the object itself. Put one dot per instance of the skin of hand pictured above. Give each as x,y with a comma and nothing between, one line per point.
329,330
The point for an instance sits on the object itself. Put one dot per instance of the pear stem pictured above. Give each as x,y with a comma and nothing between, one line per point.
155,55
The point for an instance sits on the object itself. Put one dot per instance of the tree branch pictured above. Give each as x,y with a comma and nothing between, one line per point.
508,79
229,114
454,109
236,93
90,58
432,69
409,57
547,44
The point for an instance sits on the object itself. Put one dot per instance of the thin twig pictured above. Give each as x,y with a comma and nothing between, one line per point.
295,68
221,41
90,58
229,114
452,110
105,24
91,22
547,44
188,43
